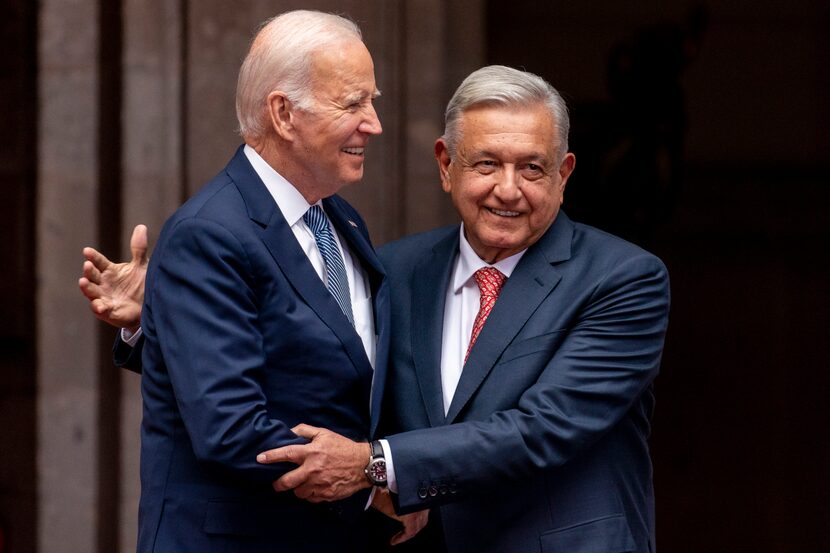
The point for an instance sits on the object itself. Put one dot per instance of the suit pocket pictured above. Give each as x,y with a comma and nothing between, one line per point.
605,535
529,346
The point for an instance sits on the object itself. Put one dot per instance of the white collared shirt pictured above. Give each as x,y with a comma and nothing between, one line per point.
460,310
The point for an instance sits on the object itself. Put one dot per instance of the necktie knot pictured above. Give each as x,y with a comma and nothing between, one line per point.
489,280
315,218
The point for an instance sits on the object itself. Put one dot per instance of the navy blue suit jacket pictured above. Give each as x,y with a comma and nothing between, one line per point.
242,342
544,448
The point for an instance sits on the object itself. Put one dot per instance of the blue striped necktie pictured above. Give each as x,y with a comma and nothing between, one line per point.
336,280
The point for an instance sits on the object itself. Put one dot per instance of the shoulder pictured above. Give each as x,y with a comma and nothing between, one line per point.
410,249
216,213
605,249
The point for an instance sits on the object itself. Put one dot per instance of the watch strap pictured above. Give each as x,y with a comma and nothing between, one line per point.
377,449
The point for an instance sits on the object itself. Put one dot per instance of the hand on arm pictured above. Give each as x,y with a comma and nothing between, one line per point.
116,290
330,465
412,523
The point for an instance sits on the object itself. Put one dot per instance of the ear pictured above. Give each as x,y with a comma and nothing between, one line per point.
566,168
281,114
442,156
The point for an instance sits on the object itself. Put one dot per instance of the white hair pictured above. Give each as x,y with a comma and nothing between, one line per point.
499,85
280,58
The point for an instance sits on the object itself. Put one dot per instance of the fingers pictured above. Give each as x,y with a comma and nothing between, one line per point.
100,308
91,290
307,431
291,480
98,260
290,453
91,272
412,524
138,244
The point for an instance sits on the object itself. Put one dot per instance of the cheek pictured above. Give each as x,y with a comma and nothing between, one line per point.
544,208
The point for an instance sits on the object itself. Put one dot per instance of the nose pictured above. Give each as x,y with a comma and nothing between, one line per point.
507,186
371,122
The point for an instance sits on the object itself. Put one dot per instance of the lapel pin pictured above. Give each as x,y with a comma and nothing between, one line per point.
352,223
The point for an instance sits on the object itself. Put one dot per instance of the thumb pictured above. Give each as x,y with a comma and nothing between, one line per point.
138,244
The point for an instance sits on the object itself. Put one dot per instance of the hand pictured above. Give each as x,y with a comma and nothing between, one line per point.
116,290
412,523
330,466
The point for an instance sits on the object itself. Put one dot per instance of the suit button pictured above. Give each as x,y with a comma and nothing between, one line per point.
433,490
422,492
453,488
443,489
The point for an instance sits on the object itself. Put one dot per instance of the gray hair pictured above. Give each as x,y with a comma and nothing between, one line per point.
498,85
280,58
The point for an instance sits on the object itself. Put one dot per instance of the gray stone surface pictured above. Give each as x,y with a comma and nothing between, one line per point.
180,64
67,341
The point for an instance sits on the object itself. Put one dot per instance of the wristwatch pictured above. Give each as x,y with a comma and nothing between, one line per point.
376,469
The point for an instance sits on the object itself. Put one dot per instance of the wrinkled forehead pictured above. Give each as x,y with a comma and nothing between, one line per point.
499,118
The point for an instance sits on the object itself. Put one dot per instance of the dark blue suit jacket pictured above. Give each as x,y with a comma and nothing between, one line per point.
242,342
544,448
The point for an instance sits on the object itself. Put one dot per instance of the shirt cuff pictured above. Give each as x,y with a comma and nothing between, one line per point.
391,481
130,338
371,498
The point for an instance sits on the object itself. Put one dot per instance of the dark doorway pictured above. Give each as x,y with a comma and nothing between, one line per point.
18,149
700,134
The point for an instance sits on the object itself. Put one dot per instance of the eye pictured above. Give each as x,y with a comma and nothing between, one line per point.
486,166
533,171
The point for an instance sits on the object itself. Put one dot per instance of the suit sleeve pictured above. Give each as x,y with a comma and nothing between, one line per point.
203,313
609,356
126,356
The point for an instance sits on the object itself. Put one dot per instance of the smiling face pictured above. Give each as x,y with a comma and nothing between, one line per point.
329,139
505,179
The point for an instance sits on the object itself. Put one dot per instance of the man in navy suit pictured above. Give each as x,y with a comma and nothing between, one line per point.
519,396
266,306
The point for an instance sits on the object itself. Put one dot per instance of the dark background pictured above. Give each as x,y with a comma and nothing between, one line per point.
700,132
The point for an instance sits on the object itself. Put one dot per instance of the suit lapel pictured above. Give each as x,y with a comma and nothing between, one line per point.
292,261
431,279
532,281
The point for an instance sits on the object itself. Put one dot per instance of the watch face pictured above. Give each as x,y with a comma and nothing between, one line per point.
377,470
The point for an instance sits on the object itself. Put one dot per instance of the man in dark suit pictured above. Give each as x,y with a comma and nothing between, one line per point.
519,396
523,419
265,306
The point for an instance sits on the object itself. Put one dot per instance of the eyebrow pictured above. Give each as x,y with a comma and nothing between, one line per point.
360,96
533,157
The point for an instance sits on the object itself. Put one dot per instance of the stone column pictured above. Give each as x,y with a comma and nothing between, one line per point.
67,345
444,43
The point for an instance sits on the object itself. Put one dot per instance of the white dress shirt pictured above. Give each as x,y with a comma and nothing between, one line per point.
460,309
293,206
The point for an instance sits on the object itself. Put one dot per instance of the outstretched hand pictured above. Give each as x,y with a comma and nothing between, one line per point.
330,465
116,290
412,523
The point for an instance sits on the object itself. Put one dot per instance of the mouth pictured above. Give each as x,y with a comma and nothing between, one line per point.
503,212
353,151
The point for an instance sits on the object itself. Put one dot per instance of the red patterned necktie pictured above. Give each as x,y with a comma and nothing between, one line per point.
489,280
